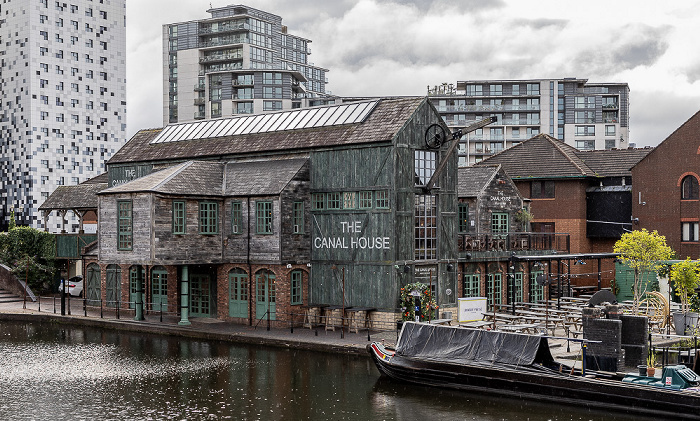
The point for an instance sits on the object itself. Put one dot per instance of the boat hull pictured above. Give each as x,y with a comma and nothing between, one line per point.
542,385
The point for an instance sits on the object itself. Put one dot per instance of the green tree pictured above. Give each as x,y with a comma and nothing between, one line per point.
642,251
29,253
685,276
13,223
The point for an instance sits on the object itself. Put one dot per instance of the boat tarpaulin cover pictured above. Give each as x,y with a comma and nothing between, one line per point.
459,345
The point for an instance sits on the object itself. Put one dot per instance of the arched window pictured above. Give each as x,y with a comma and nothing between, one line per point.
689,188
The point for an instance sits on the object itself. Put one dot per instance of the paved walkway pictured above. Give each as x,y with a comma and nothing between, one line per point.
214,329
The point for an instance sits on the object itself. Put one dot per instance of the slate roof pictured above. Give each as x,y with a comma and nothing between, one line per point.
381,125
83,196
543,156
471,181
207,178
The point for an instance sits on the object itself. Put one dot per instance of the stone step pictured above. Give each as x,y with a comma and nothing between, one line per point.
8,297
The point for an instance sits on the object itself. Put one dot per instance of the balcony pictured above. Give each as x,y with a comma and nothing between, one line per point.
513,241
242,82
207,30
199,115
200,87
215,58
200,101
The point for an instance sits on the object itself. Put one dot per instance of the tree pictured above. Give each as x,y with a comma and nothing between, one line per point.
642,251
685,277
29,253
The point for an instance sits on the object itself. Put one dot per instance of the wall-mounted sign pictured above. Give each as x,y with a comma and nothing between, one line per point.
352,238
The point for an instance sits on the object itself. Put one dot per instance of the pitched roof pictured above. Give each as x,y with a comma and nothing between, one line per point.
471,181
82,196
382,124
543,156
208,178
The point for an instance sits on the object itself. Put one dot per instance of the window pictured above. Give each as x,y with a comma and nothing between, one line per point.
365,199
542,189
536,290
610,130
499,222
518,284
272,105
463,217
125,235
689,188
585,145
208,217
585,130
424,166
349,200
318,201
298,217
470,286
493,284
333,200
381,199
425,236
263,217
236,218
179,217
533,89
690,231
296,278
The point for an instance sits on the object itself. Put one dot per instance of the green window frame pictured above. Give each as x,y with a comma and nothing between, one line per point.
463,217
318,201
263,217
499,222
470,286
366,199
208,218
350,200
298,218
493,278
381,199
518,284
296,286
333,201
236,218
179,219
125,236
536,290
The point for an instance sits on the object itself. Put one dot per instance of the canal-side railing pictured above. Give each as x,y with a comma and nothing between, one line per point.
514,241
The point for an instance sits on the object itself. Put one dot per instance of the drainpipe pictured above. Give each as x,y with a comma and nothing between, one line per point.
184,297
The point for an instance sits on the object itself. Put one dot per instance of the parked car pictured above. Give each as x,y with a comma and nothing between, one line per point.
75,286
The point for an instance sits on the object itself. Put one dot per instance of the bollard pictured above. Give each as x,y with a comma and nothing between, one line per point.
39,299
101,315
291,324
161,312
54,304
85,306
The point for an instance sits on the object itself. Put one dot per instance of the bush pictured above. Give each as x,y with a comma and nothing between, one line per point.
30,254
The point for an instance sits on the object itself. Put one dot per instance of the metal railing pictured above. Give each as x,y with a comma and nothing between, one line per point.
513,241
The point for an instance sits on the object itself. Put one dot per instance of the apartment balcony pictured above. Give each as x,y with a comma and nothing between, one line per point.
219,42
199,115
513,241
614,106
200,87
208,30
242,82
223,67
245,96
200,101
611,120
217,58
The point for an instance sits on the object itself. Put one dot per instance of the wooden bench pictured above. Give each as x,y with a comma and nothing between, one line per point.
358,317
441,322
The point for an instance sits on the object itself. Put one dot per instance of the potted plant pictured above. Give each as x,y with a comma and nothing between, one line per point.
685,277
651,364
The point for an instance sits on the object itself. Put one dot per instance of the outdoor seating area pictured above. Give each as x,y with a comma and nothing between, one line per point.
331,317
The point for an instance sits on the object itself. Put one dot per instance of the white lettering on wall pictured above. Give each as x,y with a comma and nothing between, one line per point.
348,241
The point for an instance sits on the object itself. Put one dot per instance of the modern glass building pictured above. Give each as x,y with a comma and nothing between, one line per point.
585,115
239,61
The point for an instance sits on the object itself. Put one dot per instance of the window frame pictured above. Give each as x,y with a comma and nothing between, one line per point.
263,217
296,287
179,217
298,217
462,217
547,189
125,229
236,218
690,188
208,223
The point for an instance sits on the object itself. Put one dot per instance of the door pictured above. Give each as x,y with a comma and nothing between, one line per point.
200,301
135,276
92,284
265,294
114,278
238,293
159,289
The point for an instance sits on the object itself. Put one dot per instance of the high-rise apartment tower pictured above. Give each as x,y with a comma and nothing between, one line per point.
239,61
63,84
582,114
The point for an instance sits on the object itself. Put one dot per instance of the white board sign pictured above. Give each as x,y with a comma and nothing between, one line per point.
471,309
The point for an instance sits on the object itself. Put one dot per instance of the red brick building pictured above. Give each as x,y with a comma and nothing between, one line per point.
587,194
665,192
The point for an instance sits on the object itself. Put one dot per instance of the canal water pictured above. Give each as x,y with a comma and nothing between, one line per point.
58,372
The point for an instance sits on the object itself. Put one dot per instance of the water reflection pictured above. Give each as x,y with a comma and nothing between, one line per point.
57,372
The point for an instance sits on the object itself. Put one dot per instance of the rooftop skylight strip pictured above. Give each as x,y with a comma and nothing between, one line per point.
176,133
185,134
163,134
197,133
336,114
260,123
229,130
343,117
294,123
245,121
266,128
317,117
291,116
253,121
304,123
213,128
357,112
280,122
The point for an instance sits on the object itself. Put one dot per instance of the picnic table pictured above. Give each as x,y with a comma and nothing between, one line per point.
313,315
334,316
359,317
477,324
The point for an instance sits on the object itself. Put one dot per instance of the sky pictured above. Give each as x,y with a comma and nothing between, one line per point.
400,47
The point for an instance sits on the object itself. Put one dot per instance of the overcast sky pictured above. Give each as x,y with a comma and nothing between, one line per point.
399,47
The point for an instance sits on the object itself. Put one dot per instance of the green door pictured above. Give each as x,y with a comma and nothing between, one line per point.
265,296
159,289
238,293
200,301
114,277
93,284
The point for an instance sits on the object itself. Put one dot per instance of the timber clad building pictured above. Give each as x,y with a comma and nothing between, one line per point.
245,217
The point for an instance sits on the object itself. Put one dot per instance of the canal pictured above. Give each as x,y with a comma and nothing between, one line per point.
62,372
